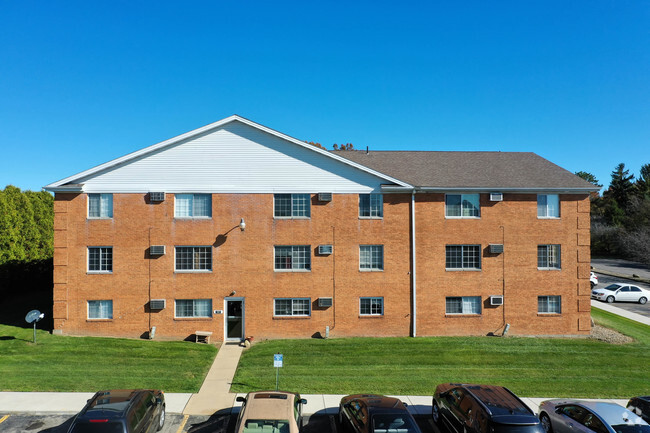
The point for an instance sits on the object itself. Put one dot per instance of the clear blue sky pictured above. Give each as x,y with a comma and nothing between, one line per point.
83,82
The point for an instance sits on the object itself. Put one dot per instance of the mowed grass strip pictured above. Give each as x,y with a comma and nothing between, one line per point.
531,367
61,363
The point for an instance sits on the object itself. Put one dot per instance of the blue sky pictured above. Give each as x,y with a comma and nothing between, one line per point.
84,82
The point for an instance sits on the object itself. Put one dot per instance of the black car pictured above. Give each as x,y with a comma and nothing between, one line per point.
641,407
464,408
371,413
122,411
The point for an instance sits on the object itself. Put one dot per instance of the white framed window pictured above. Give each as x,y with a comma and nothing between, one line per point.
462,205
371,257
292,205
100,260
100,205
193,308
294,258
549,304
371,306
463,257
192,206
463,305
193,259
102,310
371,206
292,307
548,206
548,257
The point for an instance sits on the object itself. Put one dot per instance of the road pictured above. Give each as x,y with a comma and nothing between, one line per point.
605,280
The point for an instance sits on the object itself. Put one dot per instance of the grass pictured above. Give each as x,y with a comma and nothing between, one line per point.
60,363
532,367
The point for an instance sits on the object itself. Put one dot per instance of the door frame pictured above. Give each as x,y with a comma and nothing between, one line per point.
225,318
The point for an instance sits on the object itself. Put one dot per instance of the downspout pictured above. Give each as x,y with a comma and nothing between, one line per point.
413,279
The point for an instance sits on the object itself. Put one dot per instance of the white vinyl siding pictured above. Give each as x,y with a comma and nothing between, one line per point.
463,305
102,310
548,206
371,306
292,307
371,206
192,206
549,304
190,308
100,205
462,206
549,257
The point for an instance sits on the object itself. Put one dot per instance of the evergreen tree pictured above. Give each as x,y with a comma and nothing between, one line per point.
621,187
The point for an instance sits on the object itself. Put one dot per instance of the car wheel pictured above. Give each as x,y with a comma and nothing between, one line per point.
435,413
161,421
592,284
643,300
546,422
610,299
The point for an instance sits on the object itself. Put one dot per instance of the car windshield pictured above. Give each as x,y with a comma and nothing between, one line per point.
98,427
513,428
613,287
393,423
631,428
266,425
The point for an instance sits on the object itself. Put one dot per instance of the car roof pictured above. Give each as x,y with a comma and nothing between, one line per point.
270,405
111,403
378,403
611,413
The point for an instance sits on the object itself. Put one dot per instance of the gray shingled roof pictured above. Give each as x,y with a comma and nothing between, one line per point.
489,170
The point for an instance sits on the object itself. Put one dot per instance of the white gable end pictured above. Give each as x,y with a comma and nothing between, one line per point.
232,158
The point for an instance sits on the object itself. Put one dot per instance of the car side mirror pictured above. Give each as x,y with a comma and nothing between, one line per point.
302,401
405,404
241,399
159,400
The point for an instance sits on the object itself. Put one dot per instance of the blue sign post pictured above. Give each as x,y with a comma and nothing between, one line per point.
277,363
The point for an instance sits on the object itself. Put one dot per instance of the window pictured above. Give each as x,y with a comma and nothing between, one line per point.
193,308
548,206
192,206
371,306
100,259
548,257
193,258
371,257
292,307
100,309
463,257
100,205
292,205
549,304
292,258
371,206
462,206
463,305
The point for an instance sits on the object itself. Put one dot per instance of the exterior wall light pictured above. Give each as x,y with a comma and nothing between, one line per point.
242,225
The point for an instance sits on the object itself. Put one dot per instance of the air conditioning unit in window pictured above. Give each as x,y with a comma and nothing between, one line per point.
157,250
324,302
324,196
496,196
325,250
156,197
157,304
496,300
496,248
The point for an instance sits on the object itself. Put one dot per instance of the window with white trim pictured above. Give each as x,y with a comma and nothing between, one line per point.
371,257
371,206
463,305
292,307
549,304
100,309
100,205
193,258
462,205
548,206
193,308
548,257
463,257
371,306
100,259
192,206
292,205
292,258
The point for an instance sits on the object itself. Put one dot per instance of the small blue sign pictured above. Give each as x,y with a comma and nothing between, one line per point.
277,360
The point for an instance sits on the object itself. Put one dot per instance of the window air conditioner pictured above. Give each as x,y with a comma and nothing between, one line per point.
324,196
324,302
157,304
157,250
496,300
325,249
496,196
156,196
496,248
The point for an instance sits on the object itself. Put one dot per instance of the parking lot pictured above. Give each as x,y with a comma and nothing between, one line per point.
634,307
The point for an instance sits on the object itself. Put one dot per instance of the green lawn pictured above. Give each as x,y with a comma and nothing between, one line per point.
532,367
60,363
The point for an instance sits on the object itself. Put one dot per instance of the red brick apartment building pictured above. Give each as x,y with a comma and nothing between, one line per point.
239,230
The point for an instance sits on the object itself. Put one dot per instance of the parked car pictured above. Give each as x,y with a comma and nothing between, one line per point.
368,413
576,416
270,411
122,411
641,407
621,292
593,279
464,408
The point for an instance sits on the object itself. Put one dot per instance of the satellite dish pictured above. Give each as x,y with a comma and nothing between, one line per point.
34,316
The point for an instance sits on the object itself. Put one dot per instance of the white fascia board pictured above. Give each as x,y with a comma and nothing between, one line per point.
115,162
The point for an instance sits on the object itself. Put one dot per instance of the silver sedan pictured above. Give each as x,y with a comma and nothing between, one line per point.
577,416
